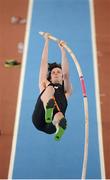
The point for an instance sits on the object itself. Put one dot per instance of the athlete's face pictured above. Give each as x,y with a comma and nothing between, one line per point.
56,76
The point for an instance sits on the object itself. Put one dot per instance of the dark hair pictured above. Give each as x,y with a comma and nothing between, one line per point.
51,66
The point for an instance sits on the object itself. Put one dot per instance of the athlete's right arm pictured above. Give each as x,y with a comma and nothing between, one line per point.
65,70
44,65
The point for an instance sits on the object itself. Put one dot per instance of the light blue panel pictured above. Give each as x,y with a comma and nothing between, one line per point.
38,155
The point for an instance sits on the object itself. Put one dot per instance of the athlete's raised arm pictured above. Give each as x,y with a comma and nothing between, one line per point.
65,70
44,65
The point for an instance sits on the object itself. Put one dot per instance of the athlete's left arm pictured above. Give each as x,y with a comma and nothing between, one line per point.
65,69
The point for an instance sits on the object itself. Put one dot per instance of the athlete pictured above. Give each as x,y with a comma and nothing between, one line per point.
55,88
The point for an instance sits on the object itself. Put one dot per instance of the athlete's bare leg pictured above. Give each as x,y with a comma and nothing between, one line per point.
47,95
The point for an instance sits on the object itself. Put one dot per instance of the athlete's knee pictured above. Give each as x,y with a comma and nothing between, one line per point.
49,91
57,117
47,95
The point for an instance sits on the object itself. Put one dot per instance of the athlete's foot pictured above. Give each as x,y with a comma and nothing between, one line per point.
61,129
49,111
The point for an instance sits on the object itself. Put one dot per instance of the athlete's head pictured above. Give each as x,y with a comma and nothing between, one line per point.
55,73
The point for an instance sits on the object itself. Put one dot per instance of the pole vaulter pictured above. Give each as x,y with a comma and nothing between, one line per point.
81,77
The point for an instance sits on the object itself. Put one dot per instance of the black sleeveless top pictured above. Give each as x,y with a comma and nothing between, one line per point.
60,97
39,111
